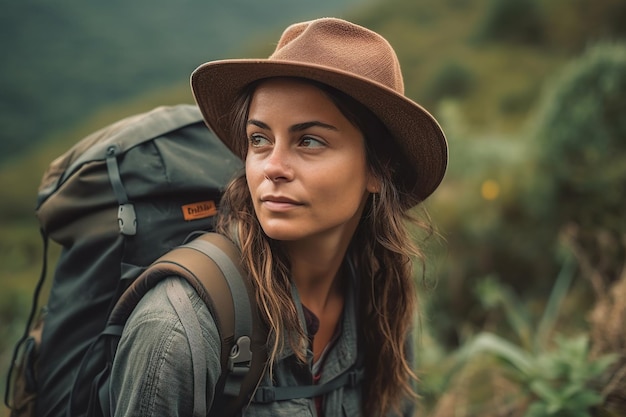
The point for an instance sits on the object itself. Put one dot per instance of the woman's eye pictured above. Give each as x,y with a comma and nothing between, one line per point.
257,140
311,142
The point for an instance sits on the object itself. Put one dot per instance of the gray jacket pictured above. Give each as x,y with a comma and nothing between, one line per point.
152,371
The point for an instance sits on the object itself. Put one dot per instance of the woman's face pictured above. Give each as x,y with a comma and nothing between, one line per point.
306,166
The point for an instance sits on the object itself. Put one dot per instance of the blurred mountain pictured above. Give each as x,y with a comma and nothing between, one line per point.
65,59
484,63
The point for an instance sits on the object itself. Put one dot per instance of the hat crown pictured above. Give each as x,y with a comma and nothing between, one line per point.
341,46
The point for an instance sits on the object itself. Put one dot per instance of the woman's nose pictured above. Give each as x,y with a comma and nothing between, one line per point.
278,164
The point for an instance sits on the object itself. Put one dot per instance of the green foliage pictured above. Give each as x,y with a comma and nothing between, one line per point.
532,336
568,168
555,378
13,304
557,381
594,20
453,80
581,141
517,21
495,295
561,383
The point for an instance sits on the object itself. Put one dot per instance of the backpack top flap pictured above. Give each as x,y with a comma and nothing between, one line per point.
125,133
167,154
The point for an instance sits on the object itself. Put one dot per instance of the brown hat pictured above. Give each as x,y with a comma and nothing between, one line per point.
345,56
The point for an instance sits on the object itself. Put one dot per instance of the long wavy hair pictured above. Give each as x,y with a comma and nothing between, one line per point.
382,250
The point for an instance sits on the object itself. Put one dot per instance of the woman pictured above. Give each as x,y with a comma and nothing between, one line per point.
335,157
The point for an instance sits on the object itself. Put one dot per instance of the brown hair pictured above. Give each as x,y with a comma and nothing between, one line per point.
382,251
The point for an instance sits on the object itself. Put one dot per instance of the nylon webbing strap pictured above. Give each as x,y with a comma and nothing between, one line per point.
243,311
31,318
114,175
126,217
113,330
191,325
350,378
240,356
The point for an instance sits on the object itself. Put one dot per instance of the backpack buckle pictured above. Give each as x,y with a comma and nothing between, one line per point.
240,355
127,219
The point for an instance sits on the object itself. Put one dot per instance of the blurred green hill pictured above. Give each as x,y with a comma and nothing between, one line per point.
66,59
531,94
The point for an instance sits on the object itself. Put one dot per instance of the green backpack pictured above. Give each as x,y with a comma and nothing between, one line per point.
117,201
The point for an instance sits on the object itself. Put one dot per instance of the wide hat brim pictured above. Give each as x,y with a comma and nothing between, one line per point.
216,85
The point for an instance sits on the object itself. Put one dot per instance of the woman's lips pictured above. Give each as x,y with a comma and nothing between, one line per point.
279,203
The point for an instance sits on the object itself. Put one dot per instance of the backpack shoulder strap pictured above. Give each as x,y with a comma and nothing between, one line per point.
212,266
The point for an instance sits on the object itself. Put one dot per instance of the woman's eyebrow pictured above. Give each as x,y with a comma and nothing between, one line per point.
303,126
258,123
295,128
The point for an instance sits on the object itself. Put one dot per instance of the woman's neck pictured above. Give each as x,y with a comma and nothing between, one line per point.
316,272
317,275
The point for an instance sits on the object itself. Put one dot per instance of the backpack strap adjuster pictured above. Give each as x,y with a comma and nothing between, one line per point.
127,219
264,395
355,377
240,356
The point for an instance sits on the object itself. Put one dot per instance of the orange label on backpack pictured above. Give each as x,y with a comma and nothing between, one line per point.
200,210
